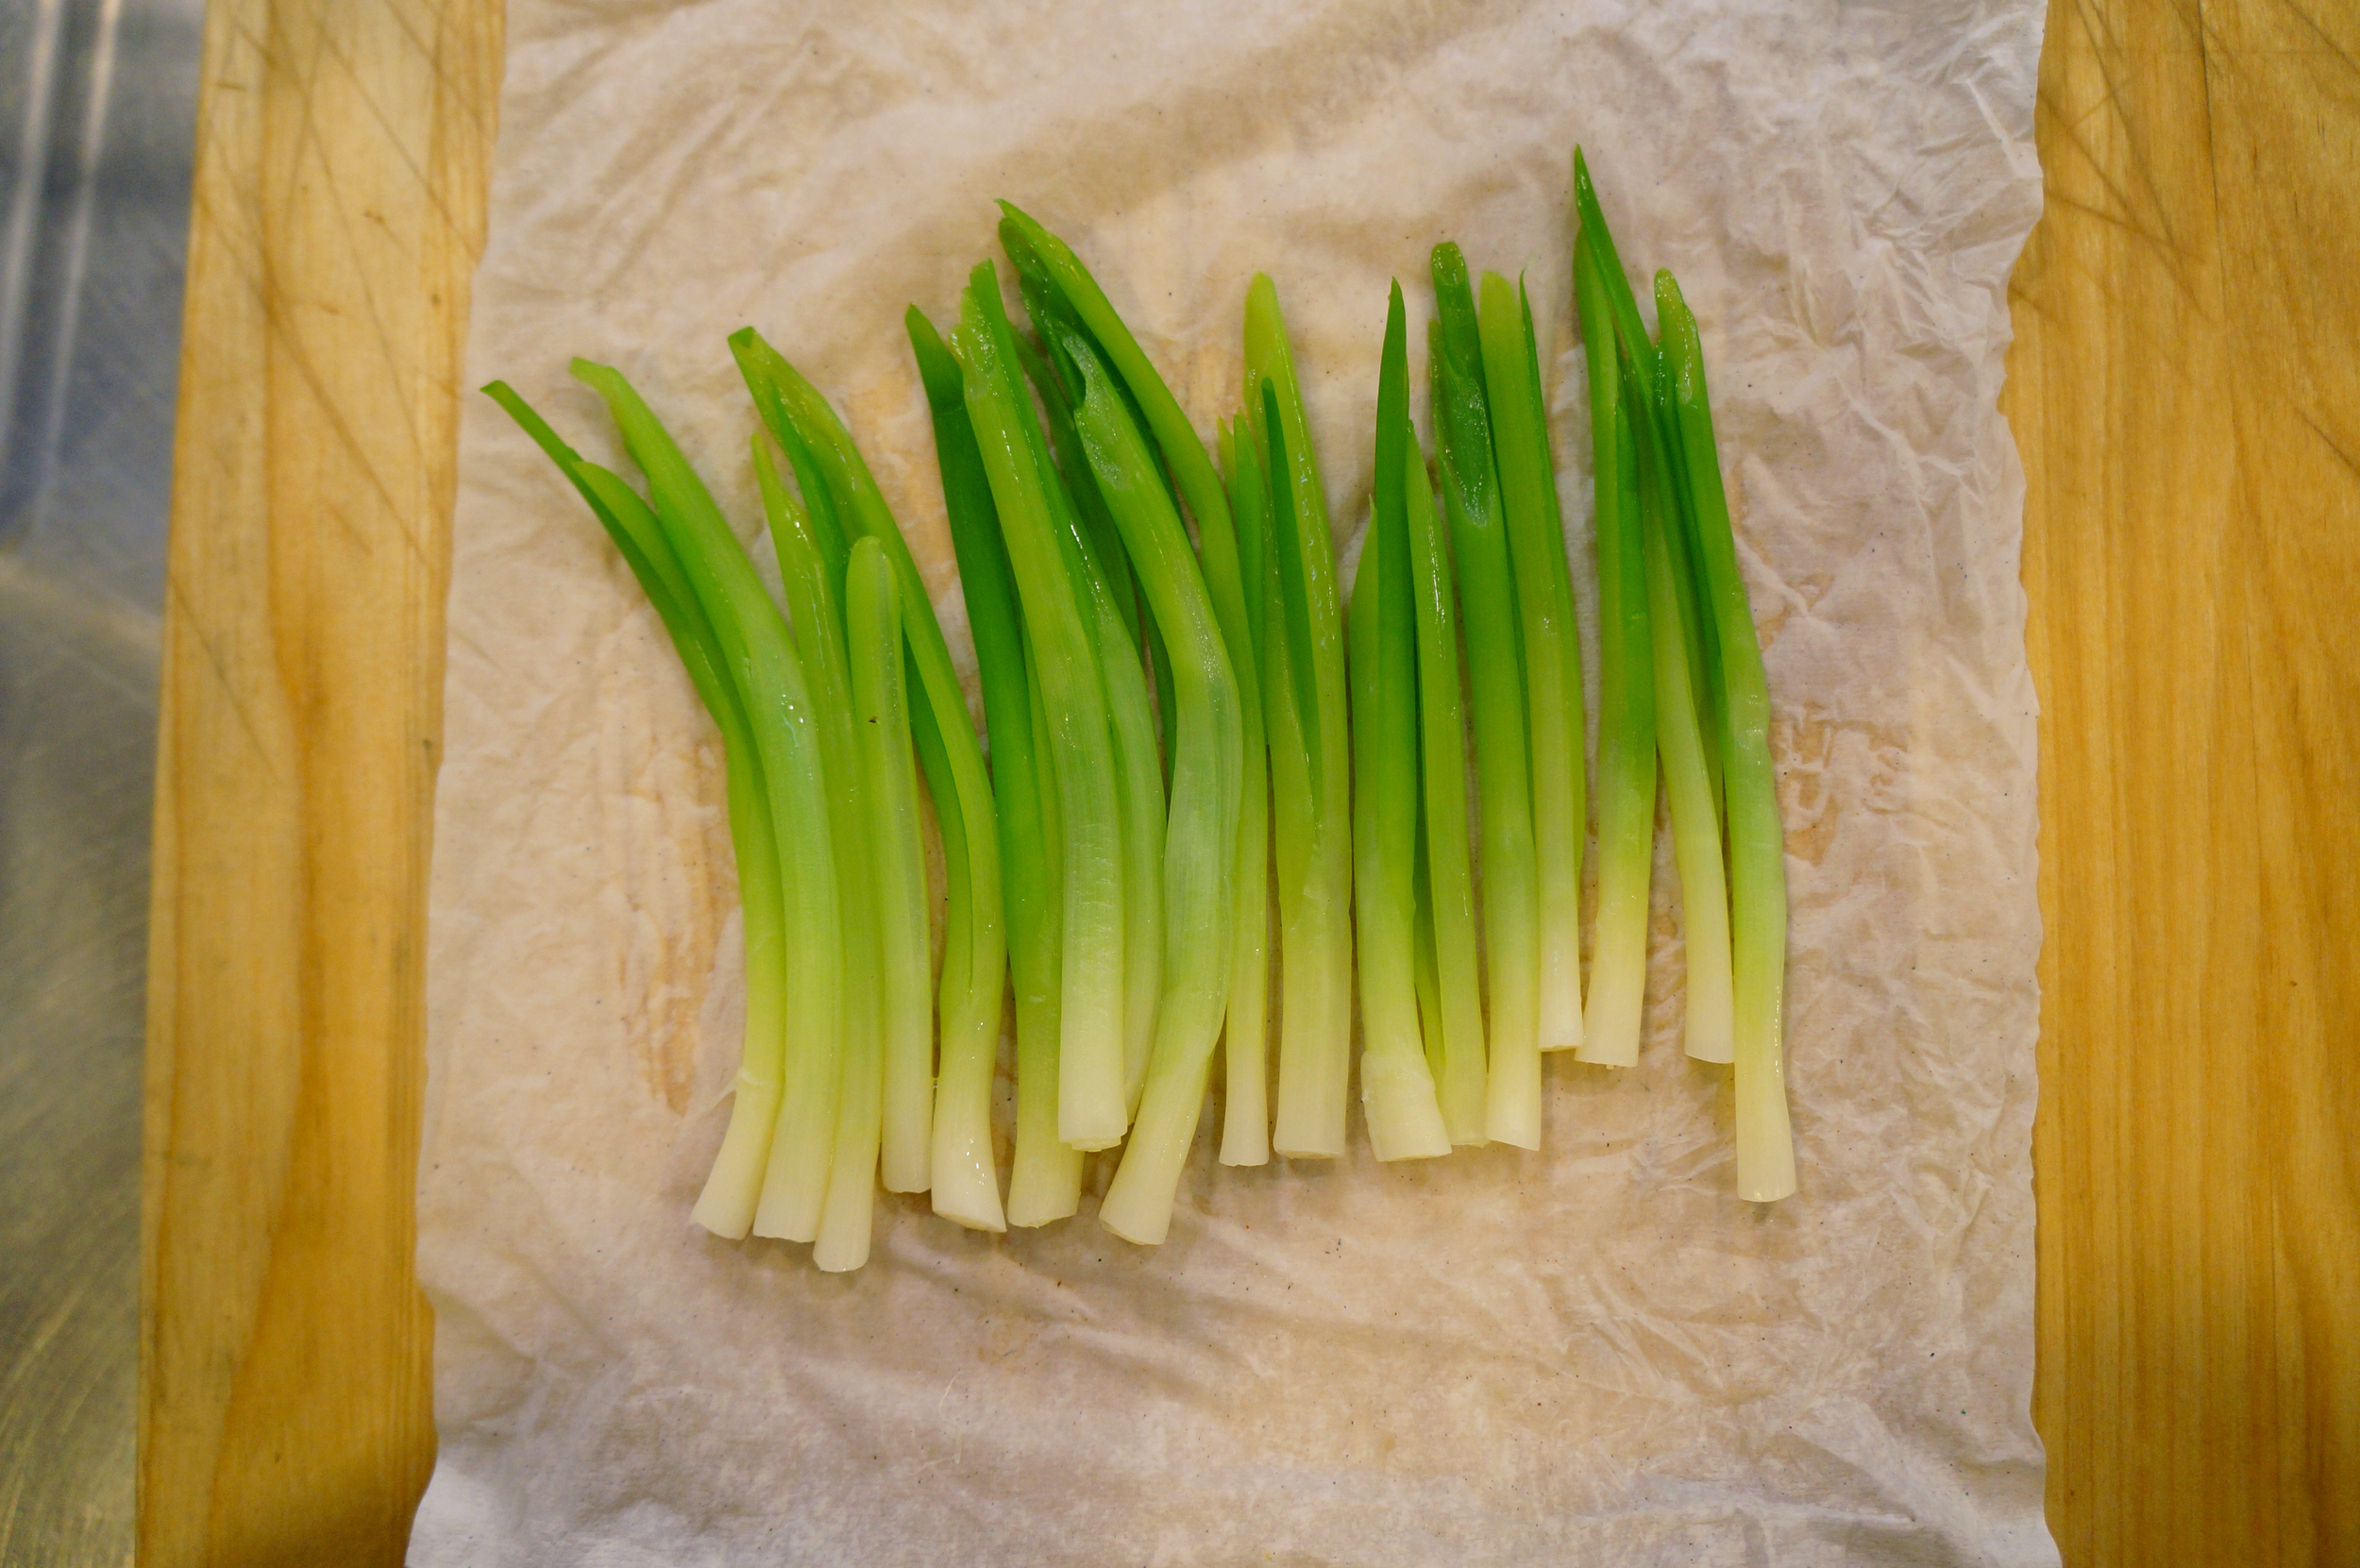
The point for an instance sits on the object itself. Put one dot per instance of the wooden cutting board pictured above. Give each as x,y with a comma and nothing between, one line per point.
2184,392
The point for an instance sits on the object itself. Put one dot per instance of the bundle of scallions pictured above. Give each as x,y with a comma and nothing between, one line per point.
1188,729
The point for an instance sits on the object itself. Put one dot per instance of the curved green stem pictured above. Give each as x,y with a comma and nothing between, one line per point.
1552,647
754,642
1626,742
1397,1085
1303,708
1236,562
1092,1111
1445,864
1487,598
973,967
1679,745
812,578
726,1205
1044,1176
1201,838
1055,276
897,863
1765,1144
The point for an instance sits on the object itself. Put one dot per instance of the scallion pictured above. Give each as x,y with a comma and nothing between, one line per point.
1447,944
1092,1112
1303,711
812,555
1551,645
1044,1175
769,677
1627,745
732,1190
1765,1144
1234,557
1396,1082
1200,845
1680,689
1057,282
1488,602
975,944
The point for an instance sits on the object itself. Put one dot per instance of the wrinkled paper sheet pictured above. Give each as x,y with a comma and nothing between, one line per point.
1591,1354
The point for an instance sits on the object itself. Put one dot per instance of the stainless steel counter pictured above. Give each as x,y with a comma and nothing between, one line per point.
97,114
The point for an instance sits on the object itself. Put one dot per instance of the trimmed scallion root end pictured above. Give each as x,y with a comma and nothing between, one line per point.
1766,1140
1397,1098
1138,1201
733,1188
1245,1046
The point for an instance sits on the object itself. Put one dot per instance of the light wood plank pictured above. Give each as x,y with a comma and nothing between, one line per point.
2183,390
285,1412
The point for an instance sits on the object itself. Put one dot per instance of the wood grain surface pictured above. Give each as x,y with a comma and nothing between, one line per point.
2184,392
2185,395
285,1413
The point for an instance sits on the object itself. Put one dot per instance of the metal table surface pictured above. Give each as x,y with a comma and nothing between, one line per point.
98,116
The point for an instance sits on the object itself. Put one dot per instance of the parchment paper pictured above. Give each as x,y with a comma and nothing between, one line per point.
1591,1354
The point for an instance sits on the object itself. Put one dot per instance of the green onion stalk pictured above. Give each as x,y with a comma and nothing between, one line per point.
1057,284
811,556
1065,451
1396,1083
1627,745
1245,1120
732,1190
1304,709
1756,866
1200,841
1494,626
949,1149
1679,745
1044,1175
1429,981
1699,821
873,623
1551,645
1699,636
1700,641
1092,1109
848,1220
1138,784
769,676
1449,971
1095,555
1059,380
1680,625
